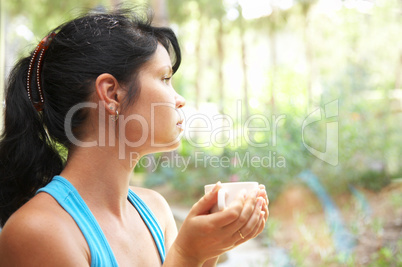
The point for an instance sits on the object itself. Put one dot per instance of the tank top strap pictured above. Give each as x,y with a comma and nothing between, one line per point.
68,197
150,220
101,253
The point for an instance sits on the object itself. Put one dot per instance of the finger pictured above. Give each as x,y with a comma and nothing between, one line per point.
247,209
266,198
265,207
266,212
252,223
204,205
260,227
230,214
256,231
239,238
263,193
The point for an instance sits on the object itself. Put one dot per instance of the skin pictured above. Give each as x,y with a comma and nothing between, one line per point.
38,236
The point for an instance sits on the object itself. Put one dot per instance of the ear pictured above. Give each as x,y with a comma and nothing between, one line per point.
108,89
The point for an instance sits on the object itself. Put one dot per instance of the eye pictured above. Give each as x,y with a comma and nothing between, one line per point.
166,80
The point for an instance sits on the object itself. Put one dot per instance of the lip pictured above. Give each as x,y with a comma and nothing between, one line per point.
179,124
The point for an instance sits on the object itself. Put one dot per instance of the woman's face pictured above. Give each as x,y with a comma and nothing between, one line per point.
153,121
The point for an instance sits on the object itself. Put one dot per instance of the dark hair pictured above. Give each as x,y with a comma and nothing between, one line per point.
117,43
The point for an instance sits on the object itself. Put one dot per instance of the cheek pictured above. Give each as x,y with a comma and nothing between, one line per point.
153,111
155,120
154,103
166,116
134,128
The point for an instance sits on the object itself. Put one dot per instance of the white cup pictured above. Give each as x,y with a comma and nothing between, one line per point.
229,192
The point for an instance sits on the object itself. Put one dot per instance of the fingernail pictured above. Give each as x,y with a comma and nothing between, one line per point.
217,185
259,203
263,215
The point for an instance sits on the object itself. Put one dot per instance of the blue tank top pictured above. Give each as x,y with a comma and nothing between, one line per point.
101,253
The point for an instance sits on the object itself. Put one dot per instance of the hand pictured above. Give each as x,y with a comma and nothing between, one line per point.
263,202
263,193
204,235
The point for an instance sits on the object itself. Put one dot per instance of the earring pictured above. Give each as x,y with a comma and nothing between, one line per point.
115,117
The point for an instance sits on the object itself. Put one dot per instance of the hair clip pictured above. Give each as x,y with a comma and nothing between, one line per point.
39,50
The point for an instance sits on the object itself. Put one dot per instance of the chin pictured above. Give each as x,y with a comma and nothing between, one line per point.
170,146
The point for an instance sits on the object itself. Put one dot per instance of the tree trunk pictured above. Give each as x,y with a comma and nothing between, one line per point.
161,16
199,70
309,62
244,64
272,39
398,72
221,56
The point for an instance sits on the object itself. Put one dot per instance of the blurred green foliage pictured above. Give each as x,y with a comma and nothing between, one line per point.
298,59
355,61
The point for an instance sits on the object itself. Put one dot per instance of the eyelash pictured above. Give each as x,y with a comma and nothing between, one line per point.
166,80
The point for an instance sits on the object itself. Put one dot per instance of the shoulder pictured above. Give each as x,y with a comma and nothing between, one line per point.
40,233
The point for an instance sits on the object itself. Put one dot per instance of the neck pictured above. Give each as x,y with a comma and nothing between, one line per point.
101,178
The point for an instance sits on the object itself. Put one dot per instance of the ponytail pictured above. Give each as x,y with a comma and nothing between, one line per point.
28,159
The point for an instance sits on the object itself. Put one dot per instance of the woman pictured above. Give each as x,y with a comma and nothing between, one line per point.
100,87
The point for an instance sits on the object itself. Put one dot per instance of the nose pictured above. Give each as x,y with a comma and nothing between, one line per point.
180,101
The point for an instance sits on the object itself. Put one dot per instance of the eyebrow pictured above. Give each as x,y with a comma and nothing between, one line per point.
169,68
